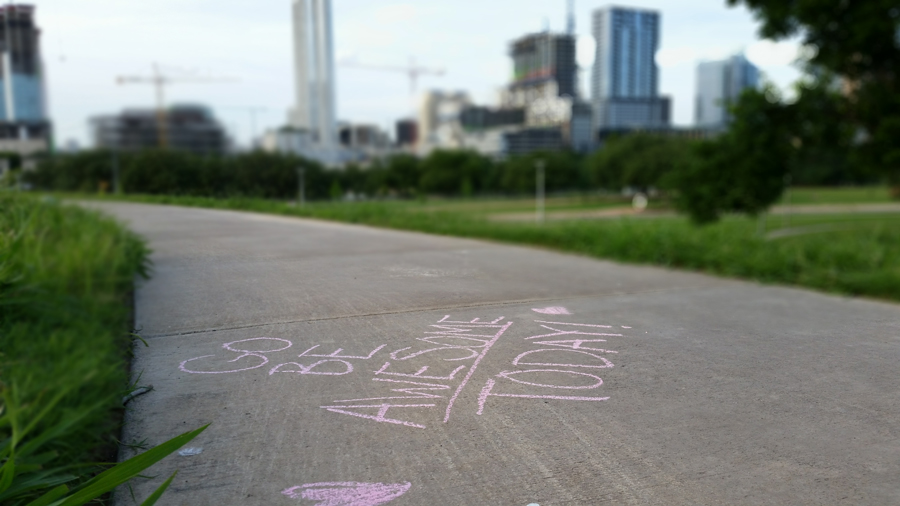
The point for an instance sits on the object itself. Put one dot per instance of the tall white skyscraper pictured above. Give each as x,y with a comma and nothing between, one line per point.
314,73
625,80
719,83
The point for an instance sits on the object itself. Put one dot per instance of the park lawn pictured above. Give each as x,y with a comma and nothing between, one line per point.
66,277
494,204
860,260
838,195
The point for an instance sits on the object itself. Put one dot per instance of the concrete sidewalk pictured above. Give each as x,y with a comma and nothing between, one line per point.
345,365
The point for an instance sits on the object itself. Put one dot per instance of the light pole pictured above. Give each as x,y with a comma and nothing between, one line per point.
786,221
117,188
539,190
301,190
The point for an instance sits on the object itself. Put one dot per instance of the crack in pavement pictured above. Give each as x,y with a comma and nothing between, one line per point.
423,310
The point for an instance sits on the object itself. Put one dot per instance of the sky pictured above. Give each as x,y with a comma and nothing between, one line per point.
244,51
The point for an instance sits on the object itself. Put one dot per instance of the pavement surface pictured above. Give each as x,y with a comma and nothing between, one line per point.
345,365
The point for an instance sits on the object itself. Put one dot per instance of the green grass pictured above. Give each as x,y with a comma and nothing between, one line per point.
863,260
65,279
493,205
841,195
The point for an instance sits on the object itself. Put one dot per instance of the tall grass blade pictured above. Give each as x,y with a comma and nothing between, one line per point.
159,491
49,497
112,478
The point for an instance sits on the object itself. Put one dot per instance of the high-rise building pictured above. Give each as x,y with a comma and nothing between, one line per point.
625,80
720,83
545,89
191,128
314,112
23,107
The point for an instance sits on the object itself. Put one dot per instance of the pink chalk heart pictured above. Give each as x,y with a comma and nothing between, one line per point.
551,310
348,493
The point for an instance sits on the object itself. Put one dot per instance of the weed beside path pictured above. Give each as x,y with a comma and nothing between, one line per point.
860,260
66,275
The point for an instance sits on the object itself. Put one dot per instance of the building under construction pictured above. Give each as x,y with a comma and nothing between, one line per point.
188,128
24,125
542,57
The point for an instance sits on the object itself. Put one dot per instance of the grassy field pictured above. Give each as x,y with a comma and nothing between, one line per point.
843,195
861,259
65,280
594,200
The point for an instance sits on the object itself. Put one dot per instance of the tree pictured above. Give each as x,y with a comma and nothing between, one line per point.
640,161
403,173
563,169
859,41
744,169
448,172
822,143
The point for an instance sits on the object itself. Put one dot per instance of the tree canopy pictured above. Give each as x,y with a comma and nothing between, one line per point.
858,41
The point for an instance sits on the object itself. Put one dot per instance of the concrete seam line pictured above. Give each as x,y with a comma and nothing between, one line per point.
424,310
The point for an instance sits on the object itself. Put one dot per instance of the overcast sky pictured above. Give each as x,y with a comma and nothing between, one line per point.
87,43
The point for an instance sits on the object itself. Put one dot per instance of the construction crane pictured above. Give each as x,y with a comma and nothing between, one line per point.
160,81
252,110
413,71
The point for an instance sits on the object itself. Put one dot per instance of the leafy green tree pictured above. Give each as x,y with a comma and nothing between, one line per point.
640,161
77,172
403,174
860,42
822,142
744,169
564,170
447,172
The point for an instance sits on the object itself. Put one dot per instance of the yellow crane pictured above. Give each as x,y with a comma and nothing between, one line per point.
159,81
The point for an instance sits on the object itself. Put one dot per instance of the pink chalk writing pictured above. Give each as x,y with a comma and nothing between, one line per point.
518,360
382,410
275,341
258,348
472,369
551,310
294,367
561,375
335,354
451,341
560,332
348,493
419,374
486,392
411,392
509,375
576,324
471,322
233,346
576,344
396,354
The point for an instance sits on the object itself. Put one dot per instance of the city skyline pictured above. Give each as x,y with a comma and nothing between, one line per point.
82,64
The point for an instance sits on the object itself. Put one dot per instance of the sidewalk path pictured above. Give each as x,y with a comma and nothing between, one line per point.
345,365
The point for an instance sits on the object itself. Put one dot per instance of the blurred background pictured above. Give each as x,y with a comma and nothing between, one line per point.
707,107
87,45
